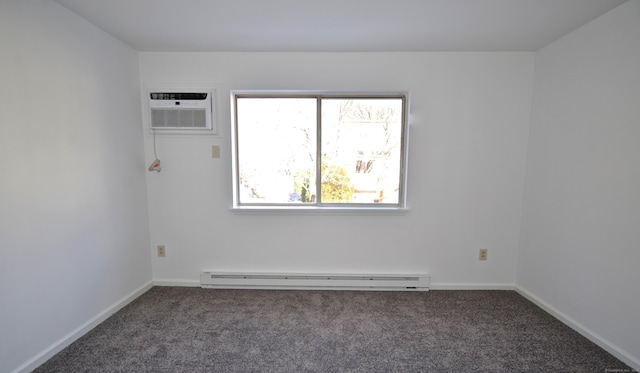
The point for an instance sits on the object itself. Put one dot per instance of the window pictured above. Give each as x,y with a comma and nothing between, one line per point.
319,150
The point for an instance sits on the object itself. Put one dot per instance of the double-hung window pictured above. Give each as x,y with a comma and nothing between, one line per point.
319,150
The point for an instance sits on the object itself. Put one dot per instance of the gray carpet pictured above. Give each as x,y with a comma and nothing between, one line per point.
174,329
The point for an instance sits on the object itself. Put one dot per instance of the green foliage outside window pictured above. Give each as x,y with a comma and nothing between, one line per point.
336,185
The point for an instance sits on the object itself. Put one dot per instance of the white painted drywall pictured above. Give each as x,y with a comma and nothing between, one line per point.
580,246
469,124
73,217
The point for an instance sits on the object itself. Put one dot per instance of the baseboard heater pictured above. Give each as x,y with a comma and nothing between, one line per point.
381,282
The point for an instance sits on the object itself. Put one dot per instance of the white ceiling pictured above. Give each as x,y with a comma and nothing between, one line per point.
339,25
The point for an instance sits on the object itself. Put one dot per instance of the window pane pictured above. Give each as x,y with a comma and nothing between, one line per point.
361,150
276,139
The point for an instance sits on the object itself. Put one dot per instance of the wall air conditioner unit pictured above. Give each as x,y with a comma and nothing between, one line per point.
182,111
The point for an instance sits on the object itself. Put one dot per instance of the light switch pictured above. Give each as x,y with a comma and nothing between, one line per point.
215,151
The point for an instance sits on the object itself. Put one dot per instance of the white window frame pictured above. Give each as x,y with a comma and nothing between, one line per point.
357,208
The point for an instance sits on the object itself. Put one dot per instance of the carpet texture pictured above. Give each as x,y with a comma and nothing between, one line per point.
177,329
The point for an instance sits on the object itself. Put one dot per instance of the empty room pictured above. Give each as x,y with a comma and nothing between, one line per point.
192,186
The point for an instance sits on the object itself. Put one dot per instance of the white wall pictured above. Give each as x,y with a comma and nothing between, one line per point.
74,230
580,246
469,125
73,217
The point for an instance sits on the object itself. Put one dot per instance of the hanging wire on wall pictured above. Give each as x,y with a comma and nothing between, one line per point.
155,165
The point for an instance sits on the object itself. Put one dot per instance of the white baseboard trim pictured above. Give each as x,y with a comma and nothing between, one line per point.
176,282
475,286
614,350
432,286
65,341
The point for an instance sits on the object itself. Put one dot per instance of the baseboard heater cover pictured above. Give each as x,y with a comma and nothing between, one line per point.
377,282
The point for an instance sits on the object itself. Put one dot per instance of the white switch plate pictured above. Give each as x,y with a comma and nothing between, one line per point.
215,151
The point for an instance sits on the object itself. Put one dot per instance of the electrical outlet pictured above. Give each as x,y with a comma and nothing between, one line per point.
483,254
161,251
215,151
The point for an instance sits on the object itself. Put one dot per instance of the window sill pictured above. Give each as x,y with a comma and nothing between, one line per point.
305,210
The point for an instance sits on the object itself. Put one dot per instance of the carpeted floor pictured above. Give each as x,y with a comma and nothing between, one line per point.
175,329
